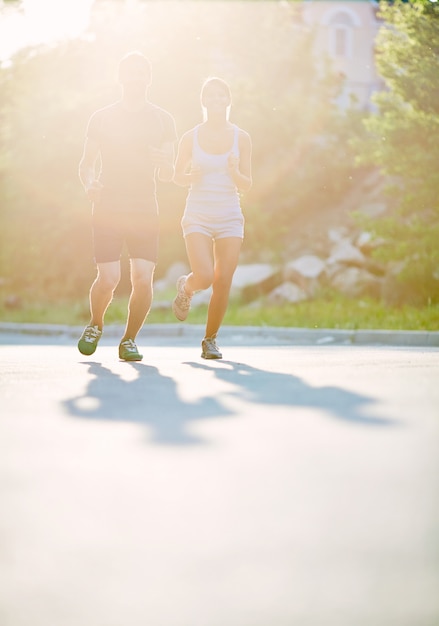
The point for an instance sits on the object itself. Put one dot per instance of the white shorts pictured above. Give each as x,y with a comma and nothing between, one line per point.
213,227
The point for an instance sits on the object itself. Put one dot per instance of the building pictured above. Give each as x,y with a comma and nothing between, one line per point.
345,33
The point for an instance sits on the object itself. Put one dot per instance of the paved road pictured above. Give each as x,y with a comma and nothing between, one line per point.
282,486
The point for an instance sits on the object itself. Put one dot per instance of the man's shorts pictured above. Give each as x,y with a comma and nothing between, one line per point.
139,231
216,228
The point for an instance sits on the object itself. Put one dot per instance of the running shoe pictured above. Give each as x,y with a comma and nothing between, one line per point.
128,351
182,301
210,349
89,340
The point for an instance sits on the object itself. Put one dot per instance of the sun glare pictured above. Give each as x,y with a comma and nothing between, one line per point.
41,22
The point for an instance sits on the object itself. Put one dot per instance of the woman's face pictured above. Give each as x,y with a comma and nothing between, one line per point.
215,97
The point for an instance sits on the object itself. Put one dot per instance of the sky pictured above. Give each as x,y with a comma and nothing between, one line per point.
34,22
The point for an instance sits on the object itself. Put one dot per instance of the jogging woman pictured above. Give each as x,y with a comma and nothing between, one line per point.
214,161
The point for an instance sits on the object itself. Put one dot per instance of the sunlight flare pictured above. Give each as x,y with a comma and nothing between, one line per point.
37,22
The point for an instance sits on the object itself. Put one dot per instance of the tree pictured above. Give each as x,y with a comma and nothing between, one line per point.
404,143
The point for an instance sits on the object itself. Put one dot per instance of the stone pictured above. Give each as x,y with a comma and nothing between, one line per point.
345,252
255,280
355,281
175,271
308,266
287,292
335,235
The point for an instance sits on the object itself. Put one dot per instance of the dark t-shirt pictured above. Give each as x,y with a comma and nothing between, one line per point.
124,138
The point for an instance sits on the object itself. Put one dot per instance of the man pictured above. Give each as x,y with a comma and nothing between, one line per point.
132,140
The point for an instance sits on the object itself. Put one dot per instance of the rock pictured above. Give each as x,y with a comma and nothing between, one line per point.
254,280
252,274
306,272
335,235
307,266
175,271
201,297
346,253
356,281
161,285
364,242
287,292
374,267
161,305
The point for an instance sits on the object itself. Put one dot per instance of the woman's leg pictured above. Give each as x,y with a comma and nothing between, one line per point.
226,256
200,256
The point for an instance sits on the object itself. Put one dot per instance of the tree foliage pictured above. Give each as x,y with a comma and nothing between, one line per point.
404,142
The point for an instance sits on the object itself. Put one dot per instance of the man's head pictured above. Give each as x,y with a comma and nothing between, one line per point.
134,69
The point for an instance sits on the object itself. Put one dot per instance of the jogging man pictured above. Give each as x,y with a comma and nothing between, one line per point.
128,144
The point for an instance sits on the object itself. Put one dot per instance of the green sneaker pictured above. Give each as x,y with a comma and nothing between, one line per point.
128,351
89,340
210,349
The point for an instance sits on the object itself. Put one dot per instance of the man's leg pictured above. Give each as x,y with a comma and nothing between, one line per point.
101,292
142,273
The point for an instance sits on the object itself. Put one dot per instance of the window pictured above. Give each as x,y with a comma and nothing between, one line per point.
341,24
341,41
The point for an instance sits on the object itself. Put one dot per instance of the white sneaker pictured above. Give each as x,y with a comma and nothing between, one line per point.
182,301
210,349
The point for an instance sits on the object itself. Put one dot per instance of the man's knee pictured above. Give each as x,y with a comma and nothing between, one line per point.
108,276
141,282
142,273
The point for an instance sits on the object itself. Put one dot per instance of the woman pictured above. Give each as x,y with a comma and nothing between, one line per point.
214,161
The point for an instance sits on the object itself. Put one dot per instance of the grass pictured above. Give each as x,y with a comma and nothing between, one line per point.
333,311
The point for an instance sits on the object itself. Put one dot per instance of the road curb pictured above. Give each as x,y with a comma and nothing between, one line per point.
264,335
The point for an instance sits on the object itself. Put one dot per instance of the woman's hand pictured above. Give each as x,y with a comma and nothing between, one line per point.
233,163
195,174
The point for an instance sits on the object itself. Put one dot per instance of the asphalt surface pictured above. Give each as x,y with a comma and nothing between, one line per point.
295,482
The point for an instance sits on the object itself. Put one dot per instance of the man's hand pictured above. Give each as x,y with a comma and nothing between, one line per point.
93,190
160,158
163,161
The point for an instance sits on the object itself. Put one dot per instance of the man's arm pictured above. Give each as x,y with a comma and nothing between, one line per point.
87,169
163,160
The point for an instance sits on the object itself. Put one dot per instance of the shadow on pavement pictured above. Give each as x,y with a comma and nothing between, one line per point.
152,399
264,387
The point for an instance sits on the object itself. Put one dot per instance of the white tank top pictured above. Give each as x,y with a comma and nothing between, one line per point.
216,193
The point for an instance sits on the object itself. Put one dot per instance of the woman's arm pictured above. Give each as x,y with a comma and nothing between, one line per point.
182,177
240,169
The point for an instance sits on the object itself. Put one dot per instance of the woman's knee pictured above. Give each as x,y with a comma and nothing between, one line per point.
203,278
223,281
